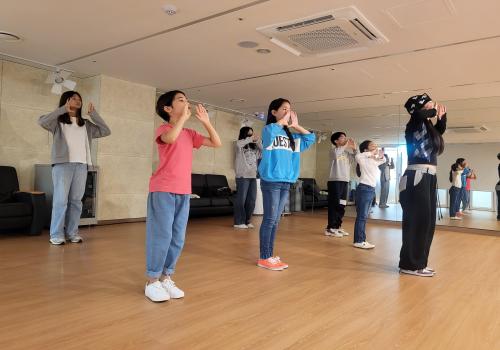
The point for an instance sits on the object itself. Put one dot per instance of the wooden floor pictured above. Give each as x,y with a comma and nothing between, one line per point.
333,296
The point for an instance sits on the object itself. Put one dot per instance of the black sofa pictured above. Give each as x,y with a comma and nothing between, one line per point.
19,211
312,197
216,198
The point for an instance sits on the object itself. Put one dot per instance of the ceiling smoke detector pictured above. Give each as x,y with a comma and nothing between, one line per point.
170,9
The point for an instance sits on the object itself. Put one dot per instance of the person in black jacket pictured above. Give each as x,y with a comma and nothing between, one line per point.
418,184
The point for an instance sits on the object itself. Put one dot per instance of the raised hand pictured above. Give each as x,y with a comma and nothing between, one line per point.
294,119
202,114
67,106
186,113
91,108
351,144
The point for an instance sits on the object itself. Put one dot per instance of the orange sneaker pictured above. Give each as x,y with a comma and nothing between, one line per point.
270,264
278,259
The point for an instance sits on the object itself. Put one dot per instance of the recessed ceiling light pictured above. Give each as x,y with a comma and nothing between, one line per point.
237,100
248,44
263,51
6,36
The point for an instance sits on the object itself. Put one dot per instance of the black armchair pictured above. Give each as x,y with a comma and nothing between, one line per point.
19,210
312,196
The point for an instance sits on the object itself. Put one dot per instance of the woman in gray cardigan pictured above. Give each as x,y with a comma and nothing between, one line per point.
248,151
72,139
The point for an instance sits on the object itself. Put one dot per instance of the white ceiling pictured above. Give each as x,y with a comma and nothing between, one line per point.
449,48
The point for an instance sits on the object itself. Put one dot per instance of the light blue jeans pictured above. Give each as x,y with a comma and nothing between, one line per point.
166,223
274,197
69,181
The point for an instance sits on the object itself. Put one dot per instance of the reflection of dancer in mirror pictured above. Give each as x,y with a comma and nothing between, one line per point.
424,142
247,152
278,169
169,191
385,180
455,191
341,157
71,154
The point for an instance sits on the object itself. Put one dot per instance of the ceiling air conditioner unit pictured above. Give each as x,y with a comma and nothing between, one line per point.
467,129
325,33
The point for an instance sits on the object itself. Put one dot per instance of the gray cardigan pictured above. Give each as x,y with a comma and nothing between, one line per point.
245,162
60,152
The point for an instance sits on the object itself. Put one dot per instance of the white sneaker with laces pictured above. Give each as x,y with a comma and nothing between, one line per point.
57,241
250,225
333,232
155,292
172,290
455,218
344,233
364,245
240,226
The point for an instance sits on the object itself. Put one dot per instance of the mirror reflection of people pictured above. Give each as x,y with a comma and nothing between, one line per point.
417,186
248,150
385,180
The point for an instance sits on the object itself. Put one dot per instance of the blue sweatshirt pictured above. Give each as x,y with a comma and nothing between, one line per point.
279,163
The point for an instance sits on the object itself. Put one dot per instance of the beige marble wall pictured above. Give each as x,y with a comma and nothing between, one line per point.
323,163
125,158
24,97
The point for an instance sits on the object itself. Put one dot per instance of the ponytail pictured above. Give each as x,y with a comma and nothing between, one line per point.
289,134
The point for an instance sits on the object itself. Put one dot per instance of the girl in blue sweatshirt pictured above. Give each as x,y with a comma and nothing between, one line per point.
278,169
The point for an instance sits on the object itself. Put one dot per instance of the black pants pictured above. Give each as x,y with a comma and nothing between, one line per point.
498,205
418,200
337,200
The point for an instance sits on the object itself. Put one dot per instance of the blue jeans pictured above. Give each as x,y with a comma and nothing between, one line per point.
246,192
455,194
465,198
69,181
274,197
166,223
364,198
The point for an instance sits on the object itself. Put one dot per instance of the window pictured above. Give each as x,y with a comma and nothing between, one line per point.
482,200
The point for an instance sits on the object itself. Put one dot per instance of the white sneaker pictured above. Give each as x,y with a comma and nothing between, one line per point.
57,241
455,218
172,290
364,245
468,211
76,239
240,226
421,273
250,225
344,233
155,292
333,233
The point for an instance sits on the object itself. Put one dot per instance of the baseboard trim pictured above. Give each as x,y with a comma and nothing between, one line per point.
120,221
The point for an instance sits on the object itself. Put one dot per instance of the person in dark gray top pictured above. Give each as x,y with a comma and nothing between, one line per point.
248,150
72,139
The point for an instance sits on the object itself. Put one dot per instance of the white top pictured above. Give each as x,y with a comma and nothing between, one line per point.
368,164
456,178
77,141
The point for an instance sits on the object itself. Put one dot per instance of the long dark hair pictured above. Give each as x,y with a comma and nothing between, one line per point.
166,100
274,106
65,118
454,167
244,134
362,148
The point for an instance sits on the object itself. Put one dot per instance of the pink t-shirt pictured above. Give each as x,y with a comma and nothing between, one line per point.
174,169
467,187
